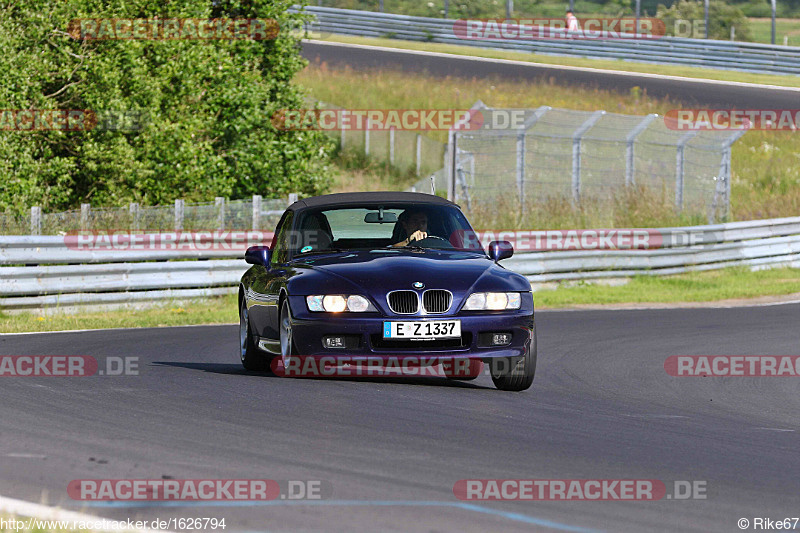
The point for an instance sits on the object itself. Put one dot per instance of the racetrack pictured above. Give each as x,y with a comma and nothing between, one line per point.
721,94
601,407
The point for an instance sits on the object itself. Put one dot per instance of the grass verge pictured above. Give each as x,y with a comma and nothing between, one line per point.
604,64
217,310
726,284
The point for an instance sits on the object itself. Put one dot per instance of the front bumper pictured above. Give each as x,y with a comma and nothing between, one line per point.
365,334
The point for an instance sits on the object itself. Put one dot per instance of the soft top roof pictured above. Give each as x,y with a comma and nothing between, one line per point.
354,198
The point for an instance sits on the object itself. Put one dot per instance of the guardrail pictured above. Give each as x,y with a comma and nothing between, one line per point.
748,57
32,278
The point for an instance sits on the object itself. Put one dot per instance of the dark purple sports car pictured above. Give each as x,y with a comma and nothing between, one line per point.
359,276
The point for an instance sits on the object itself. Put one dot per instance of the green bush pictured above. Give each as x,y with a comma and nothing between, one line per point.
721,17
209,105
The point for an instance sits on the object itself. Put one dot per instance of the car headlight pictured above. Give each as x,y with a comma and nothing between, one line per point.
337,303
492,301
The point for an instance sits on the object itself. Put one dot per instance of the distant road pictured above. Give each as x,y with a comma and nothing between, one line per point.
681,90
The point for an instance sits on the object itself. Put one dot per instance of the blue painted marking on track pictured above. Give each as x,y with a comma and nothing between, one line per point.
516,517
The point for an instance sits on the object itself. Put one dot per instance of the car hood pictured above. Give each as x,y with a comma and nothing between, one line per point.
381,271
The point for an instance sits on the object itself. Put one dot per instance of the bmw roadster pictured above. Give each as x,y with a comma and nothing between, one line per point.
371,274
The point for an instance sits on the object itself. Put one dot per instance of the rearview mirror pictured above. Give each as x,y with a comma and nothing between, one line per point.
499,250
257,255
375,218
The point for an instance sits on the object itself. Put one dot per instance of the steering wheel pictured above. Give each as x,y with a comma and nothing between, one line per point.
431,241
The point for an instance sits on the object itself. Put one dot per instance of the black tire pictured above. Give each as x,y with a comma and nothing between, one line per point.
249,354
288,349
515,373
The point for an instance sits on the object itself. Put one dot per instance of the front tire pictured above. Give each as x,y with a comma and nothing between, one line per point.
515,373
288,353
249,355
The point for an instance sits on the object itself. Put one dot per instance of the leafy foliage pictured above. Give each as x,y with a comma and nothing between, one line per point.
721,16
209,104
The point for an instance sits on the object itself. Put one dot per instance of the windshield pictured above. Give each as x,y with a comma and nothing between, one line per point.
382,226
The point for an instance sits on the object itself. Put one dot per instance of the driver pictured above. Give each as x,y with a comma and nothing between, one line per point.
415,225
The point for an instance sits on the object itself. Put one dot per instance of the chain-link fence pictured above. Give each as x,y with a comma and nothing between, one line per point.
589,157
255,213
404,150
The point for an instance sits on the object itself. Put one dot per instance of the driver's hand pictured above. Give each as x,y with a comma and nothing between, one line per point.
417,236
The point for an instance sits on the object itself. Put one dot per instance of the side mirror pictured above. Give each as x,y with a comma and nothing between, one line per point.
499,250
257,255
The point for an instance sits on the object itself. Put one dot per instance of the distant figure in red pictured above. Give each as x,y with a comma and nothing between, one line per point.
572,22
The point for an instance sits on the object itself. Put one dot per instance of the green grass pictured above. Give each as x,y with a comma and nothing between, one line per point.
219,310
726,284
761,29
604,64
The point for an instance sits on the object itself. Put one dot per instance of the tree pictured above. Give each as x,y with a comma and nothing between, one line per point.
207,104
721,17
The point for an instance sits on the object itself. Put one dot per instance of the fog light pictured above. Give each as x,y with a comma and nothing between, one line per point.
501,339
333,342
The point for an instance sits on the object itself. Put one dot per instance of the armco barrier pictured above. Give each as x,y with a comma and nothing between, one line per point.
36,271
748,57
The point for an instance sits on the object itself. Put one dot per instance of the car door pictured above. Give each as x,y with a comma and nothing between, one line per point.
268,282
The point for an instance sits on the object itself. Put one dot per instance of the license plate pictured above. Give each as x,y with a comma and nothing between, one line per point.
435,329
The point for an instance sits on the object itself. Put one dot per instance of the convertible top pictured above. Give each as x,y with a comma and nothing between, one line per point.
354,198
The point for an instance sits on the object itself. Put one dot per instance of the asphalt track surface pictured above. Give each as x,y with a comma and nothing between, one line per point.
712,94
601,407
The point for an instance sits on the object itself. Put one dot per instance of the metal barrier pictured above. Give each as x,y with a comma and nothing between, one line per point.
747,57
254,213
146,277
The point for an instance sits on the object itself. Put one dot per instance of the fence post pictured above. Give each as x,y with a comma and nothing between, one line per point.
179,205
256,211
521,152
36,220
419,153
452,148
366,139
292,197
464,189
391,146
86,213
576,154
342,134
679,161
629,153
219,203
133,209
724,177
